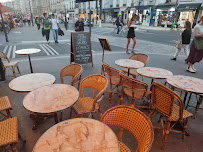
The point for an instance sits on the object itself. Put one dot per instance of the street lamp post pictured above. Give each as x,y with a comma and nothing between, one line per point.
100,13
65,21
96,10
31,13
3,24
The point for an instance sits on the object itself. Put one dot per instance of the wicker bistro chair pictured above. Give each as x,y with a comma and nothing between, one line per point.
136,89
10,64
84,104
139,57
74,70
133,120
9,133
163,103
5,105
113,76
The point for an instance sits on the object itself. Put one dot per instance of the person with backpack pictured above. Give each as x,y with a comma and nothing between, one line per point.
46,25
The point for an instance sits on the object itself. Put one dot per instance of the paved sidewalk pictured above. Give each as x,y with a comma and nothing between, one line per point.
192,143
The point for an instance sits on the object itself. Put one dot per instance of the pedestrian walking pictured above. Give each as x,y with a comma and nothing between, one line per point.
184,42
79,25
55,26
119,22
37,23
28,20
46,25
196,48
131,33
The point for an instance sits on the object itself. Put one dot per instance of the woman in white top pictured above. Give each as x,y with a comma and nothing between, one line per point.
195,55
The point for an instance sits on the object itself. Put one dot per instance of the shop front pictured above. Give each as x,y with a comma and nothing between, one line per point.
162,15
109,15
189,12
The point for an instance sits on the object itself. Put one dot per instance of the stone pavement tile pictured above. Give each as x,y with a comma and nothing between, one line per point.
54,65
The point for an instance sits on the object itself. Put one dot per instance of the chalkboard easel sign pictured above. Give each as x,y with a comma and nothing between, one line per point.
81,51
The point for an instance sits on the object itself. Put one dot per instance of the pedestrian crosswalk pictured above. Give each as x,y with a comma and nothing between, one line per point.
9,50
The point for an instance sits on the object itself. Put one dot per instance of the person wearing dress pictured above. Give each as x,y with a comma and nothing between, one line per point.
131,33
195,55
185,37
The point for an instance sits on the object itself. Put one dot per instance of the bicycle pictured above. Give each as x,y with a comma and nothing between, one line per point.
122,31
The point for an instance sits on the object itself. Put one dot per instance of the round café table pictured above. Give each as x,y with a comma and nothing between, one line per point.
129,63
154,73
186,84
50,100
77,135
30,82
28,52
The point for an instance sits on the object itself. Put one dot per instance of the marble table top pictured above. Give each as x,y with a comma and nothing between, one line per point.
51,98
30,82
78,135
128,63
186,83
154,73
27,51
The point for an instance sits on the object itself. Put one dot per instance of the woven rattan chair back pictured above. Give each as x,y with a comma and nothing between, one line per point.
140,57
133,120
97,83
4,56
163,100
133,85
74,70
111,72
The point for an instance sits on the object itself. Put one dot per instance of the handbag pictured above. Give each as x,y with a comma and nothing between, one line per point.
179,44
198,43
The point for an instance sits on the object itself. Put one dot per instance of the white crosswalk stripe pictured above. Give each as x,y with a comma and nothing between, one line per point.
14,50
44,49
5,49
9,52
52,49
48,49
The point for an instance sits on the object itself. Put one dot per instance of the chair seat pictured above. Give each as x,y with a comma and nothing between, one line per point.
12,63
9,131
123,147
175,113
133,72
4,103
114,80
137,93
84,105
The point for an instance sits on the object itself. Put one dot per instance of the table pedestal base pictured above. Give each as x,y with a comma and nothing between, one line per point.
38,118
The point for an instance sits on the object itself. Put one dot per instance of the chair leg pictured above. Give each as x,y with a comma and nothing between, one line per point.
20,137
8,113
14,73
150,116
197,107
110,92
18,70
100,112
132,102
184,128
13,147
121,99
166,132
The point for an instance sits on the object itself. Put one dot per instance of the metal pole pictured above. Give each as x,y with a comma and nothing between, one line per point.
176,12
4,26
96,10
100,13
31,13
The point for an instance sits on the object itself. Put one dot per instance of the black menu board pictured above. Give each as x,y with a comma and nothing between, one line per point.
81,51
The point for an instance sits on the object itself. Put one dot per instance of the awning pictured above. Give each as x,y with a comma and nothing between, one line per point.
164,7
140,7
6,9
188,7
